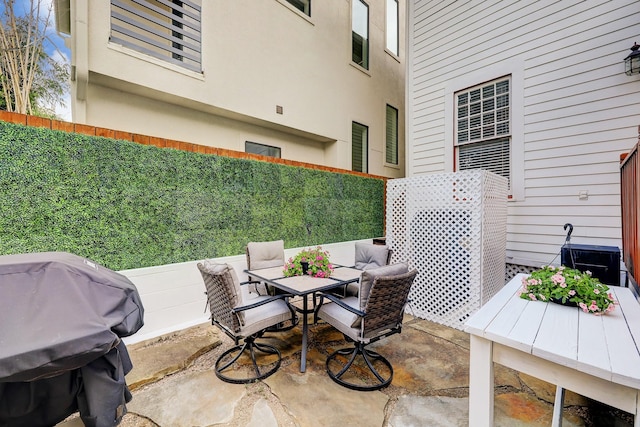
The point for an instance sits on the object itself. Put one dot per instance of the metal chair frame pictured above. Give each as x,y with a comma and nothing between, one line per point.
378,331
229,320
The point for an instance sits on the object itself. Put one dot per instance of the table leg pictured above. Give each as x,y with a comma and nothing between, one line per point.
557,407
481,382
636,416
303,356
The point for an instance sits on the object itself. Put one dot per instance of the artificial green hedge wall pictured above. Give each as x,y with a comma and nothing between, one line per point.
127,205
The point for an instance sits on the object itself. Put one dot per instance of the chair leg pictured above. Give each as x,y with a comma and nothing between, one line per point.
229,362
370,377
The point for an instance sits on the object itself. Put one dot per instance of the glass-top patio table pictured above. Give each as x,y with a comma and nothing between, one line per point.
304,286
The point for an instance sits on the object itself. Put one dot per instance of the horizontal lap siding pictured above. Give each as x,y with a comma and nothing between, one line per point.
580,110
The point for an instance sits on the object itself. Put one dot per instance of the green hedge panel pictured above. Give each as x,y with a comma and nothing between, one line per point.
127,205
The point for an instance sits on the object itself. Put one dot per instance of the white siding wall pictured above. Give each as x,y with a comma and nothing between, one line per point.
574,109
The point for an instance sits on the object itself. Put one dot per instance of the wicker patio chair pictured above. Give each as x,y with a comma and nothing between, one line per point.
243,319
367,256
375,314
264,255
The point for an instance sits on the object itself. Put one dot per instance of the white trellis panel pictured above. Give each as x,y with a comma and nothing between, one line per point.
451,227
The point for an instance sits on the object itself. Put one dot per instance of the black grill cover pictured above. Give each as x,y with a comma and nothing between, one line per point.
61,319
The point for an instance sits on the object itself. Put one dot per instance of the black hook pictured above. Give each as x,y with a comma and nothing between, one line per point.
568,239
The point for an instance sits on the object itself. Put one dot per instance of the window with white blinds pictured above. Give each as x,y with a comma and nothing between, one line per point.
169,30
359,147
391,149
483,127
491,155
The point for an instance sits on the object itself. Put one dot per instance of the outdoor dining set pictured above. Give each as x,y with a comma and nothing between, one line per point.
365,302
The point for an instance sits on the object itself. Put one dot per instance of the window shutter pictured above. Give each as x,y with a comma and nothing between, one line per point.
356,148
359,147
391,152
169,30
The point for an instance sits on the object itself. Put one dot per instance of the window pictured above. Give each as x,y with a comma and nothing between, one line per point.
483,127
360,33
392,27
359,147
391,150
165,29
303,6
262,149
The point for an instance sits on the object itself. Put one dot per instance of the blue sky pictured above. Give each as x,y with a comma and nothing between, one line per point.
54,46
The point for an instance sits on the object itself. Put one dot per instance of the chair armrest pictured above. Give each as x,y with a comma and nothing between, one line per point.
248,282
338,301
262,302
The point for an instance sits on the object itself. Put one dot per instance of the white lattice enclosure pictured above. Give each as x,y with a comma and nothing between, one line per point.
452,228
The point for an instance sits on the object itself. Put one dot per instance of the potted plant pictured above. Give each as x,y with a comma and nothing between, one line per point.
313,262
568,286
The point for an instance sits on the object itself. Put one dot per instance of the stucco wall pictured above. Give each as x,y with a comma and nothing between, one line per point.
255,56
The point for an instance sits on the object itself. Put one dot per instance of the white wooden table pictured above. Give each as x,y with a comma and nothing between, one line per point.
595,356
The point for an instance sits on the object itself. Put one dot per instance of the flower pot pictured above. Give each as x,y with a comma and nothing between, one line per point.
305,267
567,303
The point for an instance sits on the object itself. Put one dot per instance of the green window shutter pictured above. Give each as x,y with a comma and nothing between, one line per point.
391,149
359,147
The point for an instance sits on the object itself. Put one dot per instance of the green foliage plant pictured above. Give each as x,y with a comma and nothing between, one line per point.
316,259
127,205
570,287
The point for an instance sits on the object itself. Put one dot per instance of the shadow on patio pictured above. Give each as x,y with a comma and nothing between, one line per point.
174,384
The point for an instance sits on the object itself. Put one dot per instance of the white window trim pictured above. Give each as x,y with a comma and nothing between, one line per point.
515,68
396,56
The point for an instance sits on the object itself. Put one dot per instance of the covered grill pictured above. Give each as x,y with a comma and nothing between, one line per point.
61,320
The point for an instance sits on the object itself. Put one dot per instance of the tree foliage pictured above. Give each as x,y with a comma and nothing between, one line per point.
32,81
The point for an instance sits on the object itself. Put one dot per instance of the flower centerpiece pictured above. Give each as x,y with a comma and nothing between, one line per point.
568,286
316,260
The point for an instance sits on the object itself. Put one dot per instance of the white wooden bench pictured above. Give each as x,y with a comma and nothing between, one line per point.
595,356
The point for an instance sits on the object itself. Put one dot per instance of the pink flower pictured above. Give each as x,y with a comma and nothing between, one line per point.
596,291
558,279
532,297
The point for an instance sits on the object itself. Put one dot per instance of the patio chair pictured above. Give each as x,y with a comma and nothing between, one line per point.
367,256
264,255
245,321
375,314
